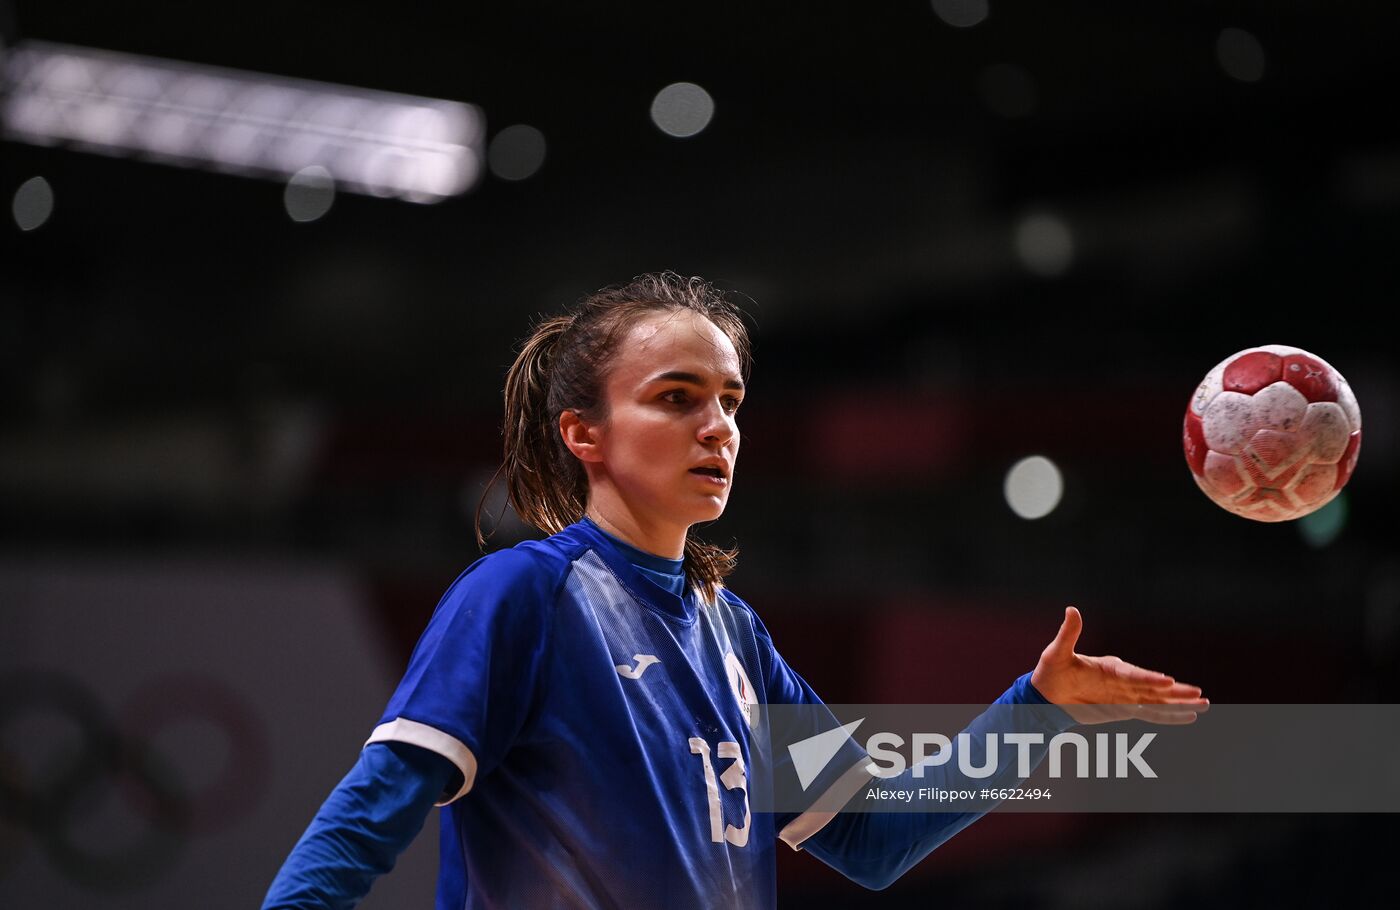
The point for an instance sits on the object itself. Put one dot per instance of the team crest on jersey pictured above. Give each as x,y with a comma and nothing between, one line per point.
740,685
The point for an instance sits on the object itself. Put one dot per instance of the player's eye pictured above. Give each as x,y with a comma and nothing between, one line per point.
675,396
731,404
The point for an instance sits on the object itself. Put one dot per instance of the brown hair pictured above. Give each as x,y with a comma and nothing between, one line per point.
563,365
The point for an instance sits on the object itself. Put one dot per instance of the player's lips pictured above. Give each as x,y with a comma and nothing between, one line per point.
715,470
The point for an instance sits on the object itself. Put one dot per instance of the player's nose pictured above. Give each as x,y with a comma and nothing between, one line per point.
717,425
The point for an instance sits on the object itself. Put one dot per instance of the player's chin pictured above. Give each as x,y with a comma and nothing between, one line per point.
710,507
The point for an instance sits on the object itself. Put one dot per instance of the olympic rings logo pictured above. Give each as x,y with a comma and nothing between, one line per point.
55,795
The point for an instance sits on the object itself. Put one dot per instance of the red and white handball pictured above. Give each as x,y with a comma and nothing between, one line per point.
1272,433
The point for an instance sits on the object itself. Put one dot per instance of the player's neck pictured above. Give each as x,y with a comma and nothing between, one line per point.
666,542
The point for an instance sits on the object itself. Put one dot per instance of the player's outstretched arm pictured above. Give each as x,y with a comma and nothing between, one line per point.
363,826
1096,690
875,849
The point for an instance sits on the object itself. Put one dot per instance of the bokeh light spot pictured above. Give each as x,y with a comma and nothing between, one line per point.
1322,527
1240,54
516,152
1044,244
1033,487
309,193
33,203
961,13
682,109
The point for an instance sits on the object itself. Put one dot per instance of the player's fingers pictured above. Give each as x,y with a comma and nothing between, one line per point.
1065,639
1175,692
1134,674
1167,714
1192,701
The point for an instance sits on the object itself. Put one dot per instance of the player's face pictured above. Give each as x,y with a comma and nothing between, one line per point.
670,440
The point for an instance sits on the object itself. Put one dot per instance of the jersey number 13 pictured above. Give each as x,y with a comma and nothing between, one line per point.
735,777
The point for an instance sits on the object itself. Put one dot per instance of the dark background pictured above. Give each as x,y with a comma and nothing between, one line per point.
859,190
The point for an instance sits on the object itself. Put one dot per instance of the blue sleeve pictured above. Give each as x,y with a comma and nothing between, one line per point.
472,678
875,848
366,822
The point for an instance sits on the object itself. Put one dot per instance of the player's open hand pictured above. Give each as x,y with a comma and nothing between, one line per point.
1096,690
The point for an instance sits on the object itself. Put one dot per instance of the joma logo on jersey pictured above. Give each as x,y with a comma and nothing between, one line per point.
643,662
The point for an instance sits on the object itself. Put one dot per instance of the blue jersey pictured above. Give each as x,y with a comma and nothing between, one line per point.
601,725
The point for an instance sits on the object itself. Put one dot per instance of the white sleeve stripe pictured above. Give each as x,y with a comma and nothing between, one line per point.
403,730
826,806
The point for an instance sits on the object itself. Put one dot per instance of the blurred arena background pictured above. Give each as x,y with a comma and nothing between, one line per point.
262,271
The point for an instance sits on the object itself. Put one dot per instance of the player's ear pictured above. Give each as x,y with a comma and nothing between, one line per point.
580,437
